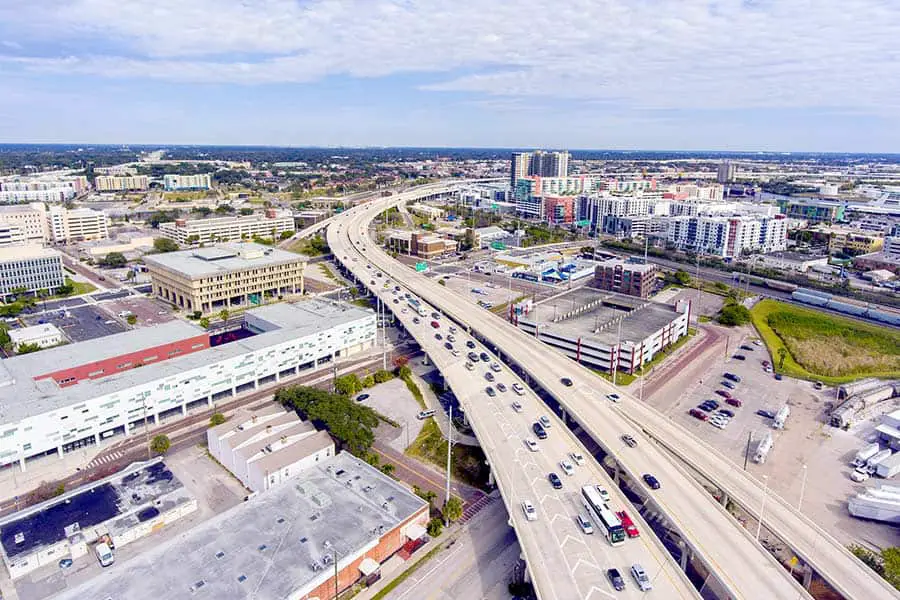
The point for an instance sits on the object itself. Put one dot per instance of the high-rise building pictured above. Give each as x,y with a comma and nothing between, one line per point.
728,236
520,163
538,163
727,172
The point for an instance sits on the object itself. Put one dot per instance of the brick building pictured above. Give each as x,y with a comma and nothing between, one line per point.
634,279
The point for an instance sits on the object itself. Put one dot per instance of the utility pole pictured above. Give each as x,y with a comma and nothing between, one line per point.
762,510
334,559
614,365
802,488
449,454
747,453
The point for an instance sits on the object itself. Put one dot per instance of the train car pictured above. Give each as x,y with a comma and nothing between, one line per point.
850,309
885,317
809,299
782,286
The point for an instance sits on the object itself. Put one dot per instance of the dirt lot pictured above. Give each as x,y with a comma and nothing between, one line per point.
806,439
148,311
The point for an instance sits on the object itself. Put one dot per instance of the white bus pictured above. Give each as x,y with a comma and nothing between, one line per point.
606,520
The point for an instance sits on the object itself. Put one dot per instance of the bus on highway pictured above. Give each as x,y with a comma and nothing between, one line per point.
606,520
417,306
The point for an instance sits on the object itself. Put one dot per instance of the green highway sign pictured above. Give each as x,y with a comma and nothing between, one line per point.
498,245
421,266
584,223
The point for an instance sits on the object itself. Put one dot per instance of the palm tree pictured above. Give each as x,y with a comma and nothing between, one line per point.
782,354
223,314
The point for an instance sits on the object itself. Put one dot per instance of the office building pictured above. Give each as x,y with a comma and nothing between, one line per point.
892,247
78,394
11,235
538,163
604,330
118,510
175,183
626,277
228,229
226,275
30,220
420,244
848,241
42,336
267,447
429,212
727,172
327,530
125,183
812,210
727,237
31,268
67,225
559,210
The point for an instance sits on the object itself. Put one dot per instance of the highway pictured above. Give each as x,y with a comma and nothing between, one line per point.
742,566
564,562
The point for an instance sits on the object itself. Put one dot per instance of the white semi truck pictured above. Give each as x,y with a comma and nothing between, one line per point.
865,453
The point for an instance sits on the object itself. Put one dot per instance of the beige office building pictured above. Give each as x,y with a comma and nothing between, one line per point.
227,229
225,276
112,183
30,221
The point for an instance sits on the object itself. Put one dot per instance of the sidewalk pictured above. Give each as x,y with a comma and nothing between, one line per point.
432,402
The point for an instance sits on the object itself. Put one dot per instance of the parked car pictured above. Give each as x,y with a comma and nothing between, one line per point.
555,481
495,367
724,393
501,387
651,481
629,441
698,414
615,579
448,345
484,356
416,320
641,578
470,344
517,388
435,324
451,338
470,366
567,467
489,376
545,421
726,412
766,413
734,402
729,385
577,457
361,397
531,444
778,377
529,510
747,348
539,430
516,406
739,357
490,391
613,397
604,495
472,356
438,336
584,524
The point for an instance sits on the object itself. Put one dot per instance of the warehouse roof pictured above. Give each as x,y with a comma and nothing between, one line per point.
277,545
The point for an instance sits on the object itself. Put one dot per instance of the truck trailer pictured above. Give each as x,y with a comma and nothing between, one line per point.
889,467
872,463
865,453
781,417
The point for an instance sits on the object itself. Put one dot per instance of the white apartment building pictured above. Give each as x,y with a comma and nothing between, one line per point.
691,191
892,247
11,235
77,183
29,267
113,183
174,183
76,395
76,225
30,220
51,196
728,237
227,229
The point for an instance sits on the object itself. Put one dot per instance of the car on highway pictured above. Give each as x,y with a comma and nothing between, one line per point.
629,441
734,402
739,357
613,397
729,385
566,381
435,324
501,387
555,481
516,406
490,391
531,444
766,413
489,376
529,510
539,430
577,457
517,388
545,421
470,344
485,357
584,524
361,397
425,414
615,579
630,528
470,366
698,414
640,578
567,467
651,481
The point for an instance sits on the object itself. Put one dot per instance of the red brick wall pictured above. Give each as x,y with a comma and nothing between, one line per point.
389,544
118,364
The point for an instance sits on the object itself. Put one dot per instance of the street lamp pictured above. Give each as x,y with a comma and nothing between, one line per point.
762,510
802,488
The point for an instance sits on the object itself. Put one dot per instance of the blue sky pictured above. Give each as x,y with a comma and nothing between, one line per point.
816,75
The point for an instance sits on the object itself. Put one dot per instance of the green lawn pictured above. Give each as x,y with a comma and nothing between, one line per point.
468,461
81,287
823,347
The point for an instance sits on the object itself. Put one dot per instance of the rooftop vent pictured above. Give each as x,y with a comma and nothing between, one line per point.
280,520
303,540
242,578
220,555
327,559
261,547
197,585
19,538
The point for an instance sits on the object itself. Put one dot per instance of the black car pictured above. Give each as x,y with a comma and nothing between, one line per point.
555,481
766,413
490,391
361,397
615,578
470,344
501,386
712,403
416,320
706,407
438,336
484,356
448,345
739,357
489,376
726,412
539,430
566,381
435,315
396,301
651,481
747,348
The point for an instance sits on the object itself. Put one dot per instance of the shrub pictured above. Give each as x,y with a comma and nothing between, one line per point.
216,419
160,444
435,527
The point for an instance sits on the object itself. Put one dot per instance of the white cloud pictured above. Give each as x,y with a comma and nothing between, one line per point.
655,54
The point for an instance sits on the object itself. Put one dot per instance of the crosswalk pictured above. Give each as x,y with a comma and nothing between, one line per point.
474,508
105,458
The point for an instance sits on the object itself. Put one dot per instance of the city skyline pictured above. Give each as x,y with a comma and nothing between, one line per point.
693,75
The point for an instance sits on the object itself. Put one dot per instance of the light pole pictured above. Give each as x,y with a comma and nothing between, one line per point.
762,510
614,366
802,488
449,454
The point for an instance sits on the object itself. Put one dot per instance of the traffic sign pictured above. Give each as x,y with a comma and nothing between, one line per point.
421,266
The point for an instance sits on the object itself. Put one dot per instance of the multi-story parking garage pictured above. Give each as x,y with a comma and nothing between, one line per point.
79,394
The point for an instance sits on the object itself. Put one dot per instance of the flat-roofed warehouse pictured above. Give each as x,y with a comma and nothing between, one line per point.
238,274
79,394
281,544
605,330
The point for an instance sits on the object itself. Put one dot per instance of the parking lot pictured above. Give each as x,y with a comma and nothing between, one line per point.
148,311
806,439
80,323
393,400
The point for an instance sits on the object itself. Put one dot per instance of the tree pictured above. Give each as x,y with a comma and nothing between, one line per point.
453,509
348,384
388,469
66,289
682,277
223,314
224,209
160,444
350,422
368,381
131,319
216,419
782,354
286,234
733,314
26,348
435,527
381,375
890,565
4,335
113,260
164,245
204,322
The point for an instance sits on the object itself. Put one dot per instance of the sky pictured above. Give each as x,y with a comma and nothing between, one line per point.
790,75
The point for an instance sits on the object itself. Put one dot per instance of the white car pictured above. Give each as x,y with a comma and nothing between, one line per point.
517,388
516,406
577,458
454,352
545,421
567,467
859,475
640,578
531,444
613,397
470,366
495,367
604,495
529,510
584,524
